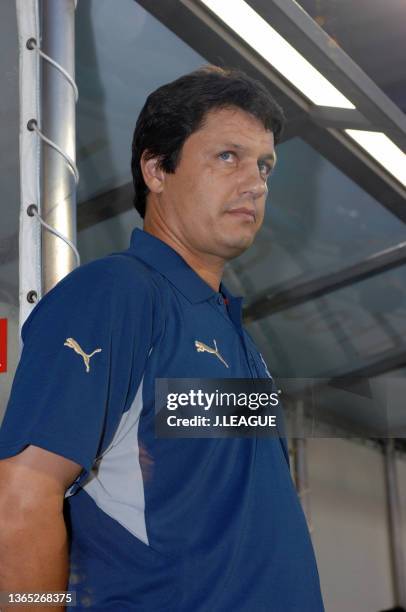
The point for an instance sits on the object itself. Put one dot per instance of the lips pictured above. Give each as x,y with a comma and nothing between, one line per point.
244,211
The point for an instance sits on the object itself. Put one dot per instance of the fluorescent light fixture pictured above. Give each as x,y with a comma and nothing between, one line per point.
255,31
383,150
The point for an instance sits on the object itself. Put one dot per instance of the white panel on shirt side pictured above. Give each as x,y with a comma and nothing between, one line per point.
116,485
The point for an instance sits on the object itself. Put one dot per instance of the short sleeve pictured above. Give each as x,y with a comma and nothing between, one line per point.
85,347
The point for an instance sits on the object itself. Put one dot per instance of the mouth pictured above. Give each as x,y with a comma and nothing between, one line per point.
244,213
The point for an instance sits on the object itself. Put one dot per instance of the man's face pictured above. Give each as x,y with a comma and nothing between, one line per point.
223,167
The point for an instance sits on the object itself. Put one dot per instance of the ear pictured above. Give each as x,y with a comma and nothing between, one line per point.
154,176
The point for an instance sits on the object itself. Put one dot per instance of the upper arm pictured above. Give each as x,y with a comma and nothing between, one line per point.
33,479
61,402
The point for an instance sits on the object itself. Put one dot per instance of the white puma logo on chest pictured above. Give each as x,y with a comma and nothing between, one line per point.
201,347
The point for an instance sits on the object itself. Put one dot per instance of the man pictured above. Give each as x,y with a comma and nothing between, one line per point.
157,524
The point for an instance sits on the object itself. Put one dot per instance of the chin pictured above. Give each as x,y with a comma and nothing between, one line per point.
236,247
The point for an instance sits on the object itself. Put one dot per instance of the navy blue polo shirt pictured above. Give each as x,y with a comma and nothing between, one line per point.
155,524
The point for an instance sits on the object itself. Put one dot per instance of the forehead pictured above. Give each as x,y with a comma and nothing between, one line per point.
235,125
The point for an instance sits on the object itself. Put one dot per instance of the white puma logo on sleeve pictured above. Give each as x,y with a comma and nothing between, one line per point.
71,343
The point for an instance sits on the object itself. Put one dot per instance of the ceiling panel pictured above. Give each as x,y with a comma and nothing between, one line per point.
373,35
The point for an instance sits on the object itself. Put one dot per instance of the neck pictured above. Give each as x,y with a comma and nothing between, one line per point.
210,268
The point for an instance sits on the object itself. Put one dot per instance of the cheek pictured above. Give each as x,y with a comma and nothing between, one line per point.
208,194
203,196
261,211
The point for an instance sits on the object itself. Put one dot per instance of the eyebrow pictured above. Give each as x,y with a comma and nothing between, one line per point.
271,155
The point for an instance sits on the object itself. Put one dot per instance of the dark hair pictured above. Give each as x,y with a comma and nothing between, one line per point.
174,111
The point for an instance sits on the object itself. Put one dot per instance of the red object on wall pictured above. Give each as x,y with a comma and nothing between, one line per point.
3,345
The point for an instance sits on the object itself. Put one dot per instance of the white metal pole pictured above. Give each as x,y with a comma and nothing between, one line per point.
58,201
394,523
29,234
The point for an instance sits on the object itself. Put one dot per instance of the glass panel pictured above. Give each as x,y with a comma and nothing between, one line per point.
317,220
116,68
108,236
339,332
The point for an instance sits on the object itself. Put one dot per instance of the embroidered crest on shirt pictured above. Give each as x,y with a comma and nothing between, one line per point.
71,343
201,346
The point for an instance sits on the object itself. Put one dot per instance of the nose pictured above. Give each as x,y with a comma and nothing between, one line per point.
251,182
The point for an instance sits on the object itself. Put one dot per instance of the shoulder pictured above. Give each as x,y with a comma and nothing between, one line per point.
129,271
113,275
110,283
118,270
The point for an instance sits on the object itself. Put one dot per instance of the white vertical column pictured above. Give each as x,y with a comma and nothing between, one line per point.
58,201
30,232
394,523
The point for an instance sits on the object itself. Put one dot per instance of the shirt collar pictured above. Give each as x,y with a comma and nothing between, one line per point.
168,262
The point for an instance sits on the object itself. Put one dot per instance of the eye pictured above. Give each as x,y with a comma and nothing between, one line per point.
265,168
227,156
